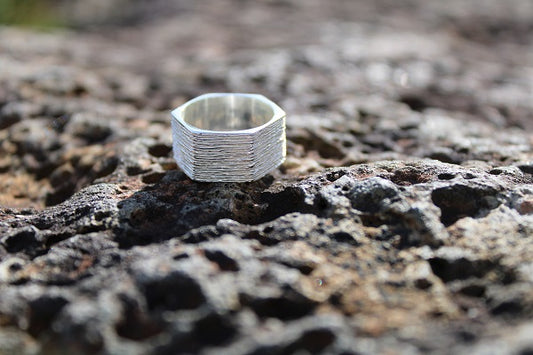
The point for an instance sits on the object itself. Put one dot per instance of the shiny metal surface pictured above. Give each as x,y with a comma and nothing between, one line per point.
228,137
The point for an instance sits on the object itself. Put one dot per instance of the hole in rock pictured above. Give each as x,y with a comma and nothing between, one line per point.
459,269
286,307
214,330
313,341
135,324
415,103
459,201
43,310
289,200
159,150
224,262
173,292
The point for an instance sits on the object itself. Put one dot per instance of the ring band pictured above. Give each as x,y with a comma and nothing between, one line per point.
228,137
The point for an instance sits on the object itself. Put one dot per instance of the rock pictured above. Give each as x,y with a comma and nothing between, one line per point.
91,128
400,222
13,112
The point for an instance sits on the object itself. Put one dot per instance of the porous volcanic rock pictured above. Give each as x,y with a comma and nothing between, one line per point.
401,221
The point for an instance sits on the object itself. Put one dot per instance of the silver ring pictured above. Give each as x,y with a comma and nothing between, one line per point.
228,137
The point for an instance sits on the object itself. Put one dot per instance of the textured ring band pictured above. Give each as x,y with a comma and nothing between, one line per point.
228,137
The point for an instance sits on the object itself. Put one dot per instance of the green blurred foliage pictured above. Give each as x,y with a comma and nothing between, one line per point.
30,13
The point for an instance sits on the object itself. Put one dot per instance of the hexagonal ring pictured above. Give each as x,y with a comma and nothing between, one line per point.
228,137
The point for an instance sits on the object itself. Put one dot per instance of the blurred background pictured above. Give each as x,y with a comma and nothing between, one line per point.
361,80
82,14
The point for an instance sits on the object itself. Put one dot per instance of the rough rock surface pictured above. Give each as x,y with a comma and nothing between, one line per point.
401,222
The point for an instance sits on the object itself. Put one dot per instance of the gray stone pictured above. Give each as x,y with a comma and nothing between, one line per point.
401,221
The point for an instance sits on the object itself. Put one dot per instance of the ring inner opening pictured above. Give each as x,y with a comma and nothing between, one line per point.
227,113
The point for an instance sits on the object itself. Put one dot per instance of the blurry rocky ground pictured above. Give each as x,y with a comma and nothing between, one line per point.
401,222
